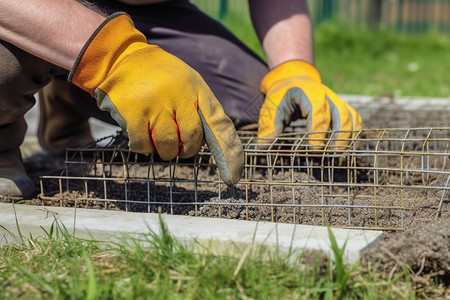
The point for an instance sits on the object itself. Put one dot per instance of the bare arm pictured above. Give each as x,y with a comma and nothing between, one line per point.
55,31
141,2
284,28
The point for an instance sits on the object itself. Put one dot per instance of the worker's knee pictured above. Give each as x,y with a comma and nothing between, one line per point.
21,76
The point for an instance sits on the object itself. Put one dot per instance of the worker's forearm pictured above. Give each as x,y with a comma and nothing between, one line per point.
141,2
56,31
284,28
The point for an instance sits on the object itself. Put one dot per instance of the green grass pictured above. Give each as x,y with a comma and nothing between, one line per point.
157,266
357,60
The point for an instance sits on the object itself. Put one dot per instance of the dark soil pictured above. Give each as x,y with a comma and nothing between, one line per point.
423,251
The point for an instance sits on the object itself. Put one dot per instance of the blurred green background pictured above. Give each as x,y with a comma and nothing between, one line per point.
372,47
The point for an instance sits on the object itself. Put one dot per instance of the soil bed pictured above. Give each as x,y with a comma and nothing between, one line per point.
423,249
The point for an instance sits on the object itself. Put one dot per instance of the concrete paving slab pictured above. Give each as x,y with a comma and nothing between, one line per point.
106,225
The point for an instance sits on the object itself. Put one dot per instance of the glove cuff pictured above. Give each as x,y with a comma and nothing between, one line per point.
288,69
102,49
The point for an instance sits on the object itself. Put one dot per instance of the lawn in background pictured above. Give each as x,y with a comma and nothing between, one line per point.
357,60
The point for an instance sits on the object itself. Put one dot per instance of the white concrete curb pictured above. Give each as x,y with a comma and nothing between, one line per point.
106,225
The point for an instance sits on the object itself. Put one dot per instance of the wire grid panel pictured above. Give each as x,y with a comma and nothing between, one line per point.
378,181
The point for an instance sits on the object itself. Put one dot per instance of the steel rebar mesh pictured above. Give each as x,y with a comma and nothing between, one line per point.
379,181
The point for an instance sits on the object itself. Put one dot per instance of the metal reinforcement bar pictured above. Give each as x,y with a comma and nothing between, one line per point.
378,181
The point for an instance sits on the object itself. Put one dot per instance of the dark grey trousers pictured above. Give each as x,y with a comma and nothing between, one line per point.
232,71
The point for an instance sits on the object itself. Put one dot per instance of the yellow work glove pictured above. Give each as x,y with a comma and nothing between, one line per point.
162,103
294,89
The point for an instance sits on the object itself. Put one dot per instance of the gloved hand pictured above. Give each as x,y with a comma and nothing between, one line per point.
294,89
162,103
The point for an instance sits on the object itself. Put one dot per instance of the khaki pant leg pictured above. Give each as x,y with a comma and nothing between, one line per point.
61,123
21,76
